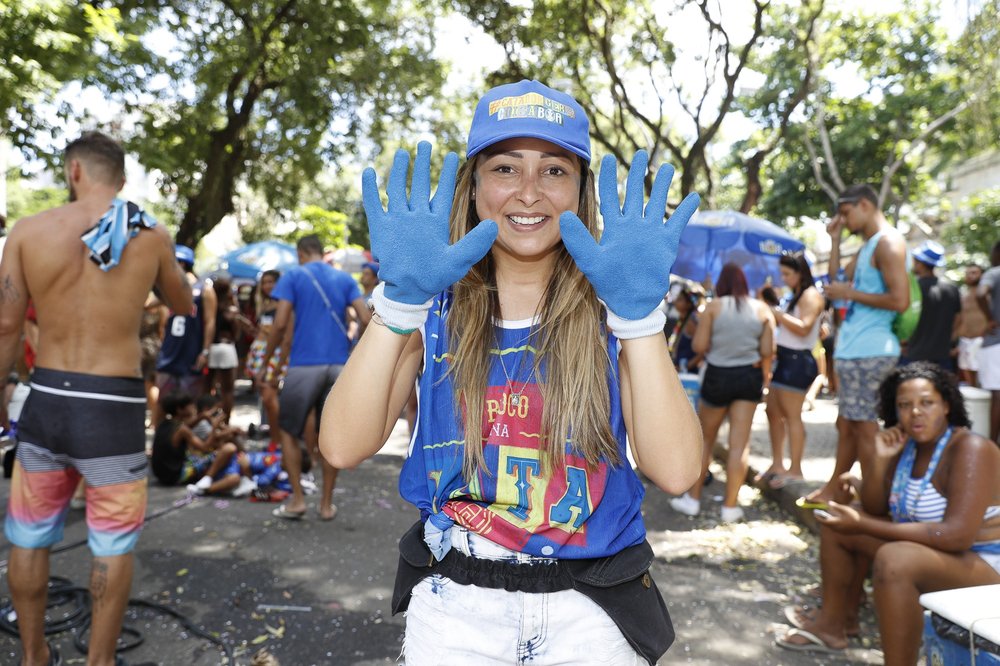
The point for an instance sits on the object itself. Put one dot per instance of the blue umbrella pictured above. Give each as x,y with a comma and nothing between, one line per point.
250,260
716,237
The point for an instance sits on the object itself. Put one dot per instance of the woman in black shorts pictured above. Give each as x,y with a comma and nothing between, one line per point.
736,334
794,369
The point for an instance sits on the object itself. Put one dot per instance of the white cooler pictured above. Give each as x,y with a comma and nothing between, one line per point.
974,609
977,403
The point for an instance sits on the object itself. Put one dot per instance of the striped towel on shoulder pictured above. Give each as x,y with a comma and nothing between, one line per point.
106,240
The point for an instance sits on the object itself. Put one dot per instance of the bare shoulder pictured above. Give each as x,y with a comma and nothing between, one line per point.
157,237
891,243
966,443
37,223
812,298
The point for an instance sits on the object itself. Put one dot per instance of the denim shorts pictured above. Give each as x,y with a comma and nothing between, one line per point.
722,386
794,370
450,623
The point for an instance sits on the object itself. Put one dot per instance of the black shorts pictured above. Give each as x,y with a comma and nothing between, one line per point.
722,386
91,422
794,370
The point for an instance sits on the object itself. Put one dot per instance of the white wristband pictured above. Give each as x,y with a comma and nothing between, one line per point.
402,318
627,329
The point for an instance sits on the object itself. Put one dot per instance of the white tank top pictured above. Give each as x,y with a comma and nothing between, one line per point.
784,337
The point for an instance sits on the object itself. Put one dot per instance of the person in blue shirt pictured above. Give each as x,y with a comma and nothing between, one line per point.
539,354
186,338
876,287
317,296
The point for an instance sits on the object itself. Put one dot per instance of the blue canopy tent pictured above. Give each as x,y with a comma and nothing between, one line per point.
247,262
715,237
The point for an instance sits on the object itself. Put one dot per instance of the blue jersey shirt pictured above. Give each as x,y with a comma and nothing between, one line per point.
318,339
182,342
571,513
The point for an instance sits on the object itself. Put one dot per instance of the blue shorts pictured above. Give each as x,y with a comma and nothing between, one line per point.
794,370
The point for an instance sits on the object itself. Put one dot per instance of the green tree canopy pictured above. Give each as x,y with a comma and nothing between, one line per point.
977,233
267,92
45,44
640,90
897,132
329,225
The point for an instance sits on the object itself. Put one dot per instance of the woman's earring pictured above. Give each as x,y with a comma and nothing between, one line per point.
473,195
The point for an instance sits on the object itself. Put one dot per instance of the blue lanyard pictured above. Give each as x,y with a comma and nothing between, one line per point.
898,509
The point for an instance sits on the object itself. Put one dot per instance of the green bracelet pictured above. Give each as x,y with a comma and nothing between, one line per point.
398,331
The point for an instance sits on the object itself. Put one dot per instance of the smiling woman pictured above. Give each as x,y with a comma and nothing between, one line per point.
524,185
539,355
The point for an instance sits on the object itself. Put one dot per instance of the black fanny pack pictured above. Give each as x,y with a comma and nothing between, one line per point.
620,584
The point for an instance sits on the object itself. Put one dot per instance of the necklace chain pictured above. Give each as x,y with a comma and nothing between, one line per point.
515,396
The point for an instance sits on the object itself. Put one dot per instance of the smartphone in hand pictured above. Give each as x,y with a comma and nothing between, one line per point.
822,514
803,503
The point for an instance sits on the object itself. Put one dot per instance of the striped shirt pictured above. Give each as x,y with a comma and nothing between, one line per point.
931,505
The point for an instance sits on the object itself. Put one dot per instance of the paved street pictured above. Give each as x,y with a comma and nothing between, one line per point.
224,562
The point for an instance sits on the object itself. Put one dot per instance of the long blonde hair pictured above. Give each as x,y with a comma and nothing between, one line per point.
570,337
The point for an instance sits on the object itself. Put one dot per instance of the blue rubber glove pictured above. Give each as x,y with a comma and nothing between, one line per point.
437,534
410,241
630,268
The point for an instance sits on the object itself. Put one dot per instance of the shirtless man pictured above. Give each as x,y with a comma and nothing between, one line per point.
85,415
971,327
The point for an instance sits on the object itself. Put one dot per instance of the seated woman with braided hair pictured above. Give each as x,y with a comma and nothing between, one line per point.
929,519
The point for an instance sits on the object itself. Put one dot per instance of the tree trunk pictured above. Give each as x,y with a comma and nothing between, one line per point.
754,187
214,200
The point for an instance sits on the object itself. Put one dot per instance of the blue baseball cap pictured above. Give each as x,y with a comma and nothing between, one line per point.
184,253
529,109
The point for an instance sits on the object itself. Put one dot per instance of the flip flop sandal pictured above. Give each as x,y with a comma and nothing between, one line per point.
779,481
814,644
333,514
795,614
764,477
282,512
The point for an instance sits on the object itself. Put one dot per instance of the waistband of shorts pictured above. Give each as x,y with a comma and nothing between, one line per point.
735,368
473,545
793,350
64,382
620,584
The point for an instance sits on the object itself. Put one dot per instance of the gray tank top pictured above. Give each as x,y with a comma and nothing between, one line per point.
735,334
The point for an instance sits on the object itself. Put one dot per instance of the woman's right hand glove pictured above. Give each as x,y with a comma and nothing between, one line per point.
411,239
635,237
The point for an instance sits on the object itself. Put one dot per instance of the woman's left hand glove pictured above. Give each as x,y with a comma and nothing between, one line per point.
630,267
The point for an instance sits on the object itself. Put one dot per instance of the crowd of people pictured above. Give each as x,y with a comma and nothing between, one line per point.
531,367
901,417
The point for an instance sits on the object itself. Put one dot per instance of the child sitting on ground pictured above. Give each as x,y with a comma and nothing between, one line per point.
212,425
181,456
